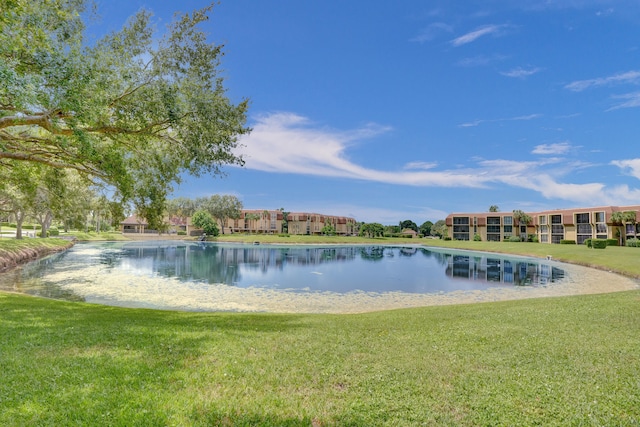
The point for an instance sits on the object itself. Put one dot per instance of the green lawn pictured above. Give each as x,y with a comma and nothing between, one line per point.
552,361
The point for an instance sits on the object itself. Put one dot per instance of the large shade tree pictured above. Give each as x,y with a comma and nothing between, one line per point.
131,110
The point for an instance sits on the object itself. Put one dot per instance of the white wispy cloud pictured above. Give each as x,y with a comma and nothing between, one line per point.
420,165
554,149
629,77
629,166
290,143
476,34
521,73
431,32
630,100
507,119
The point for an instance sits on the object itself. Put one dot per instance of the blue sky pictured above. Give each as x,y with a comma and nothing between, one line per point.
387,111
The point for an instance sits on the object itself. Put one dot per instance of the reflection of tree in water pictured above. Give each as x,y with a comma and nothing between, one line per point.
222,264
372,253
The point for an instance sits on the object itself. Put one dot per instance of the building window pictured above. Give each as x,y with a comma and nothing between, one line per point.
508,220
601,225
493,220
461,220
542,220
557,229
584,229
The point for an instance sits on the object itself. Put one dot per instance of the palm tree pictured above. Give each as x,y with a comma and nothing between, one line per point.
522,218
266,216
252,217
619,219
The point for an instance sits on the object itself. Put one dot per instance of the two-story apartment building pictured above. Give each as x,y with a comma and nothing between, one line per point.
272,221
578,224
255,221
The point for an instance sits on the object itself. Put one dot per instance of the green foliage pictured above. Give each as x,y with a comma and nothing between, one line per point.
407,223
328,230
134,110
532,238
204,221
514,239
521,218
477,238
612,242
425,228
372,230
588,242
633,243
567,242
53,231
221,208
440,228
599,243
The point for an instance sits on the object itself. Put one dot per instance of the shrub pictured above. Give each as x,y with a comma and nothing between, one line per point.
182,233
477,238
514,239
599,243
633,243
612,242
446,238
284,235
53,231
588,242
567,242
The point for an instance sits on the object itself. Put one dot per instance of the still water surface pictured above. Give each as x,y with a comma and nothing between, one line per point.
185,275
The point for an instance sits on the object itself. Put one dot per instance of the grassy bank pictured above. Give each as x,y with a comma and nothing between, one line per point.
553,361
558,361
14,252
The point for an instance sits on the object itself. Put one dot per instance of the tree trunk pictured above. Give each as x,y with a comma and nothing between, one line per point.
19,221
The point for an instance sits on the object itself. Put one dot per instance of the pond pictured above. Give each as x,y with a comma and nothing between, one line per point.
208,276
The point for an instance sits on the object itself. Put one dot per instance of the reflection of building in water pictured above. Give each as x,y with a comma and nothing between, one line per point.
489,269
220,264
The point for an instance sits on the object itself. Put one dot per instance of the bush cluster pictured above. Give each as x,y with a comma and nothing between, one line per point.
567,242
598,243
633,243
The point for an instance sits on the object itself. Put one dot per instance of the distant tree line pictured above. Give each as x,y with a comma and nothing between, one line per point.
428,228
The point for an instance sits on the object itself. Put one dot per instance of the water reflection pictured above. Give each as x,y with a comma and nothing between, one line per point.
336,269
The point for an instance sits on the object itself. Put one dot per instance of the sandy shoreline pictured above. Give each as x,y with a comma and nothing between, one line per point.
98,284
120,289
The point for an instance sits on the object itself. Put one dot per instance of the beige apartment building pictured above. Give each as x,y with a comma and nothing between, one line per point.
272,221
255,222
551,226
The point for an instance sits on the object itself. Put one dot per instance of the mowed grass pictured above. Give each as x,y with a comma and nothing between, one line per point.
552,361
556,361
